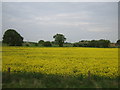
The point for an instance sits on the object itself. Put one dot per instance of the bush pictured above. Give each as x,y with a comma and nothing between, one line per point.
36,44
76,45
47,44
41,42
27,45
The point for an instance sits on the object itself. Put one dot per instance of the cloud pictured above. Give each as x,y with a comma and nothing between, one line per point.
66,19
76,20
99,29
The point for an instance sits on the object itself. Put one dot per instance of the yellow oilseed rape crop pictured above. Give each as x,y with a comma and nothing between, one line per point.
62,61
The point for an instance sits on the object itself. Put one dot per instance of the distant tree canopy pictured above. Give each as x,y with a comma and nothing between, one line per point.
41,42
93,43
118,42
59,39
99,43
12,38
47,44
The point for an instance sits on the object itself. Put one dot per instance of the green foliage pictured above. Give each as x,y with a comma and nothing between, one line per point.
99,43
41,42
68,45
12,38
47,44
30,44
59,39
76,45
39,80
27,45
53,42
93,43
118,42
36,44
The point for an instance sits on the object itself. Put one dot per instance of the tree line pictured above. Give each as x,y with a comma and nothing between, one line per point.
93,43
12,38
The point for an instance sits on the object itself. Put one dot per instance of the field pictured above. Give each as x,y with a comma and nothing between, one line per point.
67,67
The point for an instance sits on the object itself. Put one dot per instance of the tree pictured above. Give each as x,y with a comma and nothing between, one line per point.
53,42
47,44
12,38
59,39
36,44
104,43
99,43
41,42
76,44
118,42
93,43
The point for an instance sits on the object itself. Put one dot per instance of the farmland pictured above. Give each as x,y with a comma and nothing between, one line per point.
62,67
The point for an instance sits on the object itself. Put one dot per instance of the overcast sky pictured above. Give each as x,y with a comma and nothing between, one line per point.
77,21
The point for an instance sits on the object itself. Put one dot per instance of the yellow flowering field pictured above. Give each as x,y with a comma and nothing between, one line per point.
61,60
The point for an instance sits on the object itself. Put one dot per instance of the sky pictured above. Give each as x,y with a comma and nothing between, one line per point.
76,20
